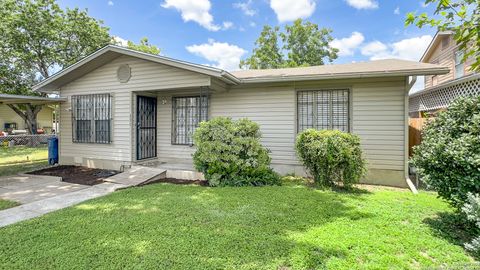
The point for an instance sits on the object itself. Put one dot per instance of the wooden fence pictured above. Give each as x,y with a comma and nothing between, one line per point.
415,132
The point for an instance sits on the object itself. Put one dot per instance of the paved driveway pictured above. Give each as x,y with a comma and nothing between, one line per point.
30,188
43,194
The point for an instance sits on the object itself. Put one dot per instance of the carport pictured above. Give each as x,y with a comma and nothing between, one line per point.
7,99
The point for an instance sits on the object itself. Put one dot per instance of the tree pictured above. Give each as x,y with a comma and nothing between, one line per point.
304,42
267,52
143,46
307,45
460,16
38,38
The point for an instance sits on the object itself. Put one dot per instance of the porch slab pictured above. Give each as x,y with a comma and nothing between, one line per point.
137,175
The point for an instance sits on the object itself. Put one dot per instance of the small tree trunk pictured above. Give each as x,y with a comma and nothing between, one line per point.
28,114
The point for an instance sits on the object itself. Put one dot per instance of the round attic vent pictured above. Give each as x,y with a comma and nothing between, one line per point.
123,73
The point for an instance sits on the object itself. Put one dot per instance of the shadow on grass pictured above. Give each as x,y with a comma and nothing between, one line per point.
186,227
453,227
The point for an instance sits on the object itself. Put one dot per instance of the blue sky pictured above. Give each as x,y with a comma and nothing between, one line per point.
220,33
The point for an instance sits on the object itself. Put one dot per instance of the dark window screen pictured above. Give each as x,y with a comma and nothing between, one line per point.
188,112
323,109
91,118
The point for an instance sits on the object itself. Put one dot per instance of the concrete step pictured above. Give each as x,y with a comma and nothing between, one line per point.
137,175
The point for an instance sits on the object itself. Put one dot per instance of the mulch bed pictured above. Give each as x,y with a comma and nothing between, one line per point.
181,181
77,174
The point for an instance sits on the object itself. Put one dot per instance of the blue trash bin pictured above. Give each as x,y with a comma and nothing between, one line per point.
53,150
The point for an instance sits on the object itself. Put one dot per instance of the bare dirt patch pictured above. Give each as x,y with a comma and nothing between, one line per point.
77,174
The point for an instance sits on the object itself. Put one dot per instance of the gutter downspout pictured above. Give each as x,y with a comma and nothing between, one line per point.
409,85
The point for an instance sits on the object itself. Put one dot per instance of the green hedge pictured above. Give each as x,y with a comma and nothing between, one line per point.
448,158
229,153
331,156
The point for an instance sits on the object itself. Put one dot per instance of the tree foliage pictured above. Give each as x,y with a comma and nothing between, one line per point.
38,38
304,43
460,16
143,46
266,54
448,158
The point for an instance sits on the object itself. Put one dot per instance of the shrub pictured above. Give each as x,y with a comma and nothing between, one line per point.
331,156
448,158
472,211
229,153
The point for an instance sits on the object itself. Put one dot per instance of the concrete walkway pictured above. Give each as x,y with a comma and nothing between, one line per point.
55,195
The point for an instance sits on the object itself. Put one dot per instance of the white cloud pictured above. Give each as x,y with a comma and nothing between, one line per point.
363,4
194,10
110,3
397,11
120,41
290,10
407,49
246,7
252,24
374,48
223,55
423,4
227,25
347,46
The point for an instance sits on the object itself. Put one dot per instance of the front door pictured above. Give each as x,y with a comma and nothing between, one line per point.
146,127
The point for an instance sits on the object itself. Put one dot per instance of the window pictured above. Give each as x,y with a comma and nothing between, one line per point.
445,42
188,112
323,109
459,65
434,80
91,118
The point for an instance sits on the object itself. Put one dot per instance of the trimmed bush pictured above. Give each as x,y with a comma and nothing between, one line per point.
229,153
472,211
331,156
448,158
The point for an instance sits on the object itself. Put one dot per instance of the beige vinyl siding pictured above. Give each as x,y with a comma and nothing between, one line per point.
145,76
445,57
379,119
273,108
377,116
44,118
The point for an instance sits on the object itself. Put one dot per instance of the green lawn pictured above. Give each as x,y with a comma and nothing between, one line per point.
164,226
4,204
20,159
18,154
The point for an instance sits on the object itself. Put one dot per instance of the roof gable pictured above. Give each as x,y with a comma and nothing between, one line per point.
111,52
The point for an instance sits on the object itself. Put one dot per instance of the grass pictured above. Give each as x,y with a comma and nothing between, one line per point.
4,204
164,226
20,159
19,154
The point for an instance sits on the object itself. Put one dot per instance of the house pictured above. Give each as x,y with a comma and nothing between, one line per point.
10,120
441,89
126,107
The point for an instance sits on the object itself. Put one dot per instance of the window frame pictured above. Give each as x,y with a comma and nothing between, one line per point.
93,117
174,133
460,63
349,106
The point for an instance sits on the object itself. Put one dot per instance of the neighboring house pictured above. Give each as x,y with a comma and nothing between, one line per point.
11,120
125,107
440,90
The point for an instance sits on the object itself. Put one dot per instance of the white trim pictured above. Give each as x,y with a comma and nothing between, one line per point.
10,99
447,84
434,40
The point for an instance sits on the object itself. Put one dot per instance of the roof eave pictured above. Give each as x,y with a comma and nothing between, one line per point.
434,71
